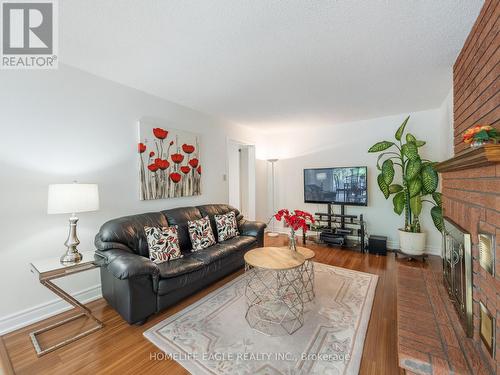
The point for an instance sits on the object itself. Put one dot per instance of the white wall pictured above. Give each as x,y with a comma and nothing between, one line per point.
346,145
233,174
62,125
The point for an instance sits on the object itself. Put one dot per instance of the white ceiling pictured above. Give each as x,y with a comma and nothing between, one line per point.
274,63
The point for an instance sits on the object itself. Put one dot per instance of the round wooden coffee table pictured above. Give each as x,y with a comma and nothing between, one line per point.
274,290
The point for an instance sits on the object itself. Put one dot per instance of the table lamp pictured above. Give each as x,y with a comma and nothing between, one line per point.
70,199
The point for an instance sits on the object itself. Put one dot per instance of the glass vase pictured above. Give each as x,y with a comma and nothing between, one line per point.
292,241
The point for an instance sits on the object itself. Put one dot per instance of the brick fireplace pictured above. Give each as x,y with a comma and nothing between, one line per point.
471,180
449,316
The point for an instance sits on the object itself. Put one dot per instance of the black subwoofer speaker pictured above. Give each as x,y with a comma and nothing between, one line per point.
377,245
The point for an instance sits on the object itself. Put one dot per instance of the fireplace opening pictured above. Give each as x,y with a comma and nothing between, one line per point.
457,270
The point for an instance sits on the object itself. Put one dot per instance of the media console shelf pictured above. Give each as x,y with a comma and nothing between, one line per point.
335,228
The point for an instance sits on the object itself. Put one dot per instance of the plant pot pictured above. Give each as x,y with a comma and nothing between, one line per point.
412,243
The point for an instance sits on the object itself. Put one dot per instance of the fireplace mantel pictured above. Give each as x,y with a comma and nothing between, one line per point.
471,158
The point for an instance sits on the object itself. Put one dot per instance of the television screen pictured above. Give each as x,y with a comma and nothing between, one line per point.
336,185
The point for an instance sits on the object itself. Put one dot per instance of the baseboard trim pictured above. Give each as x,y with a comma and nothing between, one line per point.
45,310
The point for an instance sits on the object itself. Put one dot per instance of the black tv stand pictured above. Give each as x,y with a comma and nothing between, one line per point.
339,226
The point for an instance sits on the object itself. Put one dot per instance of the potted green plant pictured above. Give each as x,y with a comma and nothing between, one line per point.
418,182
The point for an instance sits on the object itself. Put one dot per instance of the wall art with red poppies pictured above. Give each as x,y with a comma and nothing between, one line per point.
169,162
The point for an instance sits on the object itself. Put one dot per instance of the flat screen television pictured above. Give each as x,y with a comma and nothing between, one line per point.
342,185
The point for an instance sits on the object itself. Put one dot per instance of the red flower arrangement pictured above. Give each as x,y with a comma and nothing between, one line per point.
185,169
199,170
297,220
141,148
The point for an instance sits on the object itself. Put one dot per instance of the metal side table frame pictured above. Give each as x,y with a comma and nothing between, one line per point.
273,290
51,269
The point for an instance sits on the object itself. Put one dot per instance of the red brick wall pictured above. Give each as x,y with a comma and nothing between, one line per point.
475,75
472,197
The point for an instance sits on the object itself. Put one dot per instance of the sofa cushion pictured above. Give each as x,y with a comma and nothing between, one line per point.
227,227
163,243
204,276
211,210
241,242
179,267
201,234
225,248
180,217
214,252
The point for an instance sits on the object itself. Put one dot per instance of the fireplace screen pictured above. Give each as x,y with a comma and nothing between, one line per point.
457,268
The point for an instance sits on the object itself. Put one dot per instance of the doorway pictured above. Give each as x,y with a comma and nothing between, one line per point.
241,177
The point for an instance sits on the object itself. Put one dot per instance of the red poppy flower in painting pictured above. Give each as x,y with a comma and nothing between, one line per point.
141,147
160,133
199,170
151,154
185,169
162,164
193,163
175,177
177,158
153,167
188,149
171,143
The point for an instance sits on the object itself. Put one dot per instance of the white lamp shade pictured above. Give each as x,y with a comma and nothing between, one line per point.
72,198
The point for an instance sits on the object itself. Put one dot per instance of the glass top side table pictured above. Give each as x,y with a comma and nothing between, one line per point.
49,269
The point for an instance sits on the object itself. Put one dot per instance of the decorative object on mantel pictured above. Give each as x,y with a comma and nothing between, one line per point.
472,158
481,135
169,162
419,181
299,219
70,199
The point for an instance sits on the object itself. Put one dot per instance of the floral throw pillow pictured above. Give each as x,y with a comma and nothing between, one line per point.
163,243
200,233
227,227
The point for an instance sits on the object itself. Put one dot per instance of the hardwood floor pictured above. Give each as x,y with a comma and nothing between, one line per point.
121,349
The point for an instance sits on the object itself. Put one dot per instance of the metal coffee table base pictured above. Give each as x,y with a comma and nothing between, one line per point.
308,279
274,299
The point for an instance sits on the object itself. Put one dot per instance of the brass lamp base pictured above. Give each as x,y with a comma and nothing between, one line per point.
72,255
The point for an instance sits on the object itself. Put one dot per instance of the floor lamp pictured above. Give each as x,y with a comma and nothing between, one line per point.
272,233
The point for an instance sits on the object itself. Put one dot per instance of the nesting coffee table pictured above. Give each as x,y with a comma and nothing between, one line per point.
307,270
274,290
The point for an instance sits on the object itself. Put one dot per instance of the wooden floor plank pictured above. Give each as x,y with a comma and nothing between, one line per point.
121,349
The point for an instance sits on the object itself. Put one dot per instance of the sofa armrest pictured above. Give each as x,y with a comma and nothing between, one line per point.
253,229
124,265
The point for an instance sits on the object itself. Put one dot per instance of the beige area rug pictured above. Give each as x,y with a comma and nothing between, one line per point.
212,336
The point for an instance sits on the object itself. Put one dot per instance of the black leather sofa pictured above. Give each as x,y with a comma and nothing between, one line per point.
137,288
